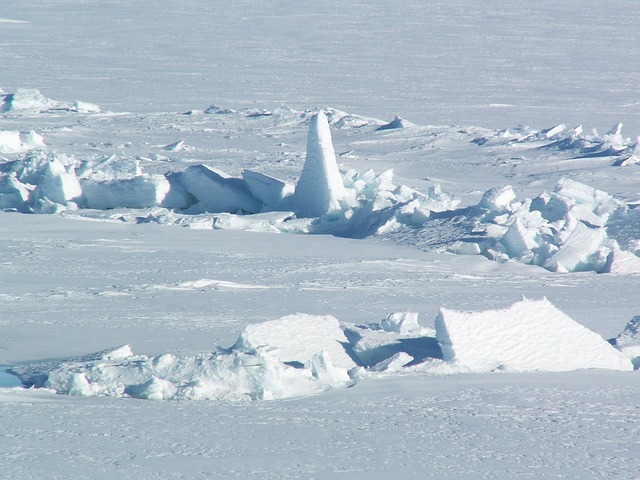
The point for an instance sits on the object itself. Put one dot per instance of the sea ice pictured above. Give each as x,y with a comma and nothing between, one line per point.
218,192
297,338
320,188
530,335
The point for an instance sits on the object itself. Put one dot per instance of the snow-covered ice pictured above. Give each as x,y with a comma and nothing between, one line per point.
529,335
239,166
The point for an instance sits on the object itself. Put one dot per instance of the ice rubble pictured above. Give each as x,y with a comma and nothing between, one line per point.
566,230
307,354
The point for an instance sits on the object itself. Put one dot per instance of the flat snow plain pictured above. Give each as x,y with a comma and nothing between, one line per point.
81,281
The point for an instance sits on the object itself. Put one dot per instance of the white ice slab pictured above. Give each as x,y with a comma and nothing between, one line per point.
529,335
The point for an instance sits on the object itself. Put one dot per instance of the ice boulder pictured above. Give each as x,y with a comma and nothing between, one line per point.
497,198
13,193
57,184
296,339
530,335
320,189
218,192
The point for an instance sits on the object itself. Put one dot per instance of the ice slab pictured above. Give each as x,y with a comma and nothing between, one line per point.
297,338
218,192
139,192
529,335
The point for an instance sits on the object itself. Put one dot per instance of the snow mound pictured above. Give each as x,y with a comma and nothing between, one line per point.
530,335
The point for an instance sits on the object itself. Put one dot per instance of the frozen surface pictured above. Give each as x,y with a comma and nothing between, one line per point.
529,335
429,107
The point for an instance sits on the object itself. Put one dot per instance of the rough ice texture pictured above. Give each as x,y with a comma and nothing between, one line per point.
320,188
217,191
297,338
230,375
529,335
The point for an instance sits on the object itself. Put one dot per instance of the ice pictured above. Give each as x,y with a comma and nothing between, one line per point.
13,193
396,123
404,323
218,192
58,185
138,192
27,100
628,342
297,338
320,188
270,191
19,142
530,335
374,343
578,252
497,198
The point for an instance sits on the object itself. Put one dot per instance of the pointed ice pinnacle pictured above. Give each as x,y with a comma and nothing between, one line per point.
320,188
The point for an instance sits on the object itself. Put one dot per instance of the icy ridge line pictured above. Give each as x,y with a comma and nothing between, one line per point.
301,354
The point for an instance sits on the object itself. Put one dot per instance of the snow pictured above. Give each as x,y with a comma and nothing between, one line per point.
528,336
168,220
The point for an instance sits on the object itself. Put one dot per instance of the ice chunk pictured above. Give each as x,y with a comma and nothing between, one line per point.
139,192
13,193
372,345
19,142
628,342
270,191
497,198
85,107
518,240
401,322
529,335
217,191
579,251
57,184
297,338
320,188
393,363
396,123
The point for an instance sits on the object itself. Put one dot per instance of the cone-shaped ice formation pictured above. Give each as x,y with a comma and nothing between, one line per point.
320,187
